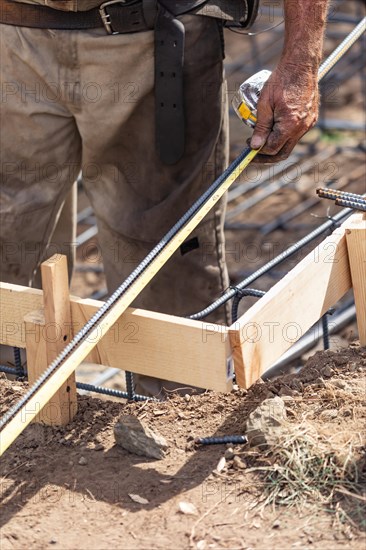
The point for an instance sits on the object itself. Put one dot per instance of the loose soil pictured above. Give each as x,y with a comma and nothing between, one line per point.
74,488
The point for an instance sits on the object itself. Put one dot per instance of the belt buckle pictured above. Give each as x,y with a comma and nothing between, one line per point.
106,18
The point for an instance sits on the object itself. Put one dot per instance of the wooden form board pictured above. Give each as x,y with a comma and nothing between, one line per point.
164,346
356,244
291,307
62,406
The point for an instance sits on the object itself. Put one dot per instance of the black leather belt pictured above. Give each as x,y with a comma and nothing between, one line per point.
127,16
116,16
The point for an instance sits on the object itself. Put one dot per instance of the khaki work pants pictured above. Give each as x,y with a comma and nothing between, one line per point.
76,100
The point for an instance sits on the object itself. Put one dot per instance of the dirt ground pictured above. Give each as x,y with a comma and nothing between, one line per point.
74,488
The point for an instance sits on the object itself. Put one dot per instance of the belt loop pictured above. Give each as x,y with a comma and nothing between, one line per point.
150,11
169,98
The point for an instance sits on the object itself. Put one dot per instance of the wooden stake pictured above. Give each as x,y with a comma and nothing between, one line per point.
47,335
356,244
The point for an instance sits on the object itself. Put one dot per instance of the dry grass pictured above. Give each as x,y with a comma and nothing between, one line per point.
305,467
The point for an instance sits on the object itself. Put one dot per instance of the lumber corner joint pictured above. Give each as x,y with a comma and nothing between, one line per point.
289,309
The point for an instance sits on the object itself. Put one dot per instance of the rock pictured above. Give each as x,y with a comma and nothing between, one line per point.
326,371
276,524
353,367
98,447
329,414
319,383
187,508
340,384
340,359
239,463
266,422
82,461
158,412
269,395
229,454
285,390
296,385
221,465
132,435
138,498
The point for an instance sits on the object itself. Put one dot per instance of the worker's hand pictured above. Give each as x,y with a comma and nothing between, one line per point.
287,109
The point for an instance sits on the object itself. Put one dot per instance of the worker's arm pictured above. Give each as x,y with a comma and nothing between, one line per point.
288,106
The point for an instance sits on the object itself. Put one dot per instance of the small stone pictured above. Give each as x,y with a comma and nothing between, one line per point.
187,397
187,508
191,445
239,463
53,541
329,414
265,423
340,384
221,465
82,461
285,390
137,438
270,395
287,398
229,454
319,383
327,371
158,412
276,524
138,498
98,447
71,463
340,359
296,385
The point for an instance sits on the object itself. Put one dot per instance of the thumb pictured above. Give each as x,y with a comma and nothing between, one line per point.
263,126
